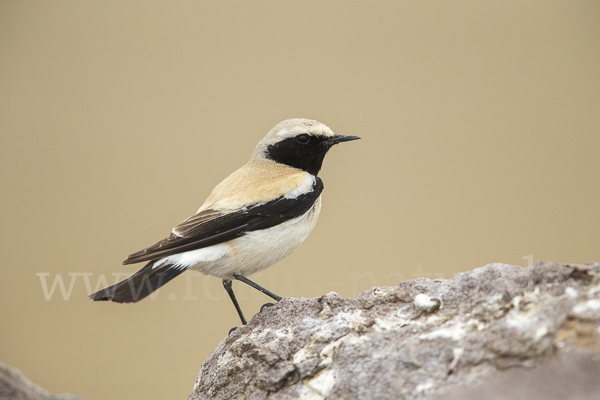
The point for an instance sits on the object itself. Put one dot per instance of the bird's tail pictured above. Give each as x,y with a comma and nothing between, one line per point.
140,284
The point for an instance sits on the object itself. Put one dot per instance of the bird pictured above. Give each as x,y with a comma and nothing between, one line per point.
254,218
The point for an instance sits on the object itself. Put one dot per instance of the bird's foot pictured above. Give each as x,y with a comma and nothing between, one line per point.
231,330
266,305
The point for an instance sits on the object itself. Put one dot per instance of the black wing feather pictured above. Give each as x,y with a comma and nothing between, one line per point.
211,227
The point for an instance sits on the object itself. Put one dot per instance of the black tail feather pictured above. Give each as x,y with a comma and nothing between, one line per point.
139,285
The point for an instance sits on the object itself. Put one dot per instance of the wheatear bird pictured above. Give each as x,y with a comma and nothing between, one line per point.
254,218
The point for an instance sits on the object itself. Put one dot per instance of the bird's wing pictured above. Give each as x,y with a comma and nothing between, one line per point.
209,227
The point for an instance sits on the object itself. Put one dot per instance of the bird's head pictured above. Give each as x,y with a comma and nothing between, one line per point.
299,143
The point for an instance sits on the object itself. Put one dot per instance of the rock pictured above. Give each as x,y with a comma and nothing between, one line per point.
570,376
499,327
15,386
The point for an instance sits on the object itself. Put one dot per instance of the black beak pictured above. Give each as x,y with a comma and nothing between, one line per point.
341,138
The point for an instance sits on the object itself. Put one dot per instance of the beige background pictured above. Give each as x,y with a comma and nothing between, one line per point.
480,124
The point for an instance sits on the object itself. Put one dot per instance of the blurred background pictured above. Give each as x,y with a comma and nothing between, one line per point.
481,130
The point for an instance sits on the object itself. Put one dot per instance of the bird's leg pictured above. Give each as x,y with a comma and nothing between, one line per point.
229,289
257,286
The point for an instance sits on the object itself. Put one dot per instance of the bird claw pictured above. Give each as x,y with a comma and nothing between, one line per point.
231,330
266,305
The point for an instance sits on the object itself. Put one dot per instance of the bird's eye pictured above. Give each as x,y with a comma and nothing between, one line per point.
303,139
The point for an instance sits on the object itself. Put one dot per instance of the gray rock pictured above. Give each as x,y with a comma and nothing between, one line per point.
536,323
15,386
569,377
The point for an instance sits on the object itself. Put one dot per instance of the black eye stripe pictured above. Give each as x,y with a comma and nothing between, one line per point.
303,151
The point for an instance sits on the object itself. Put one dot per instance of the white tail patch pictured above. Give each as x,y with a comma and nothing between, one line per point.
193,257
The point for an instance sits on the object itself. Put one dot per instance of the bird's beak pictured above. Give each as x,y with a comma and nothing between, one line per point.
341,138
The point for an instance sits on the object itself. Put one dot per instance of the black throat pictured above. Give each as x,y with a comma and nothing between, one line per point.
307,157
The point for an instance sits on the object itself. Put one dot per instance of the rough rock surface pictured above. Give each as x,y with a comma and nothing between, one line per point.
526,332
15,386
